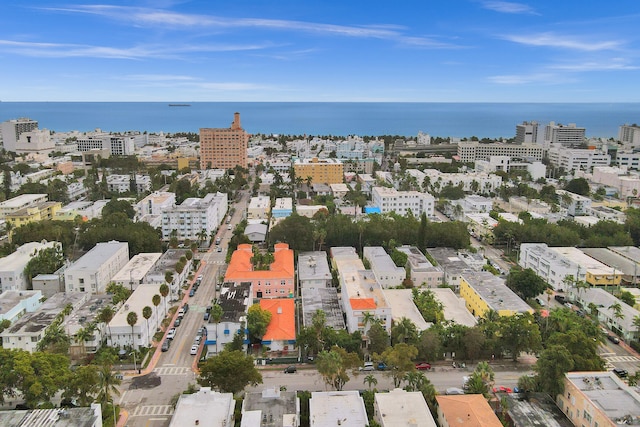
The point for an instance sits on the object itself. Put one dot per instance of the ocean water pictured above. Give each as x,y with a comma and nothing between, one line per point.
484,120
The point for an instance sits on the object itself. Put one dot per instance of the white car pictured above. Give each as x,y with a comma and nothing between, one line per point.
171,334
194,350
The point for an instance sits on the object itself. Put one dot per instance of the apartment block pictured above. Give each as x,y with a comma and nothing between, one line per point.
224,148
155,203
603,301
259,208
280,408
577,158
20,202
276,282
387,273
313,270
95,269
567,135
205,407
127,183
469,410
39,212
422,272
402,408
527,133
323,171
12,130
575,204
470,151
483,292
235,299
333,408
598,399
403,202
194,217
629,135
14,304
133,273
12,277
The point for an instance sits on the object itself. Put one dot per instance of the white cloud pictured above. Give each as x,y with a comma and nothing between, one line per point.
520,79
509,7
606,65
560,41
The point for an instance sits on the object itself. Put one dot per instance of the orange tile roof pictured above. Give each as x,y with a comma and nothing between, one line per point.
469,410
283,320
240,266
362,303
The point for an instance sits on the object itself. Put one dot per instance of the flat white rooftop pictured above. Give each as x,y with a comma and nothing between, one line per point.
337,408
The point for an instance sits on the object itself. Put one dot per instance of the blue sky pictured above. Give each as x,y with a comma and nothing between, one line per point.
349,50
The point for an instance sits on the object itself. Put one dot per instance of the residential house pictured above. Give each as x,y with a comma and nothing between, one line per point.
468,410
313,270
332,408
280,336
15,304
278,408
387,273
235,301
204,408
400,408
12,275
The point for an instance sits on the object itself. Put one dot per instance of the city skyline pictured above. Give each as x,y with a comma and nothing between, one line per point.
462,51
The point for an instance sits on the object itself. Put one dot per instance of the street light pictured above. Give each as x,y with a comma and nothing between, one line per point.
134,360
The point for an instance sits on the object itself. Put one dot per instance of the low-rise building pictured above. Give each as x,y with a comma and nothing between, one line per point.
451,265
402,306
167,263
134,272
205,408
403,202
39,212
280,336
596,273
122,334
454,307
469,410
387,273
12,276
235,301
256,233
20,202
325,299
49,284
605,304
279,408
67,417
155,203
332,408
26,332
276,282
80,320
482,291
421,272
313,270
259,208
598,398
127,183
15,304
94,270
533,409
282,208
400,408
575,204
339,190
195,218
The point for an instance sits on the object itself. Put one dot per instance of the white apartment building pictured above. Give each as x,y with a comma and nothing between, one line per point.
117,145
20,202
194,216
167,262
95,269
121,334
11,130
625,184
399,407
403,202
537,170
575,204
423,138
550,265
421,272
12,277
628,159
206,408
26,332
603,300
81,317
133,273
577,158
155,203
474,182
259,208
337,408
313,270
15,304
339,190
629,135
385,270
527,133
564,135
360,291
235,299
37,140
470,151
124,184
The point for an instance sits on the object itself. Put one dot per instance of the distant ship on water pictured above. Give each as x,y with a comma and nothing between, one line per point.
179,105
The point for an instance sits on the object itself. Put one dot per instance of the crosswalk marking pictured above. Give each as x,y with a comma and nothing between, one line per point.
172,370
621,359
152,410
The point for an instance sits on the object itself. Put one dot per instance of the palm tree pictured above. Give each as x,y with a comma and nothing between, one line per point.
132,319
617,311
164,291
105,316
81,336
636,324
415,380
146,313
215,316
108,385
156,302
370,380
404,331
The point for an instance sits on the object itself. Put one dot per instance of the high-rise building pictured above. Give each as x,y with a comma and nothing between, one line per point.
527,133
224,148
566,135
12,129
629,134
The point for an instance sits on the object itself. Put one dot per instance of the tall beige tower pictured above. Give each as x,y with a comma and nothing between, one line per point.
224,148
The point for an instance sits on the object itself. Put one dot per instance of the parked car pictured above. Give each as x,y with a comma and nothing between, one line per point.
206,316
194,350
423,366
560,298
219,249
197,340
454,391
291,369
181,313
368,366
171,334
382,366
192,292
622,373
165,345
614,339
177,322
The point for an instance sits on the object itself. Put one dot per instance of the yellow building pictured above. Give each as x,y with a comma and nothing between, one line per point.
598,399
321,171
482,291
224,148
40,212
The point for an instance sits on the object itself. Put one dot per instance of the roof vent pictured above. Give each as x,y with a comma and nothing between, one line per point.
279,311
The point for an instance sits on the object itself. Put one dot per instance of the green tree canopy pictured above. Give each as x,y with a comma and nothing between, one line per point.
46,261
229,371
526,283
578,186
257,321
115,205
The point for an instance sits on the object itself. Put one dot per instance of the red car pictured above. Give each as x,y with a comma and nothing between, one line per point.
502,389
423,366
